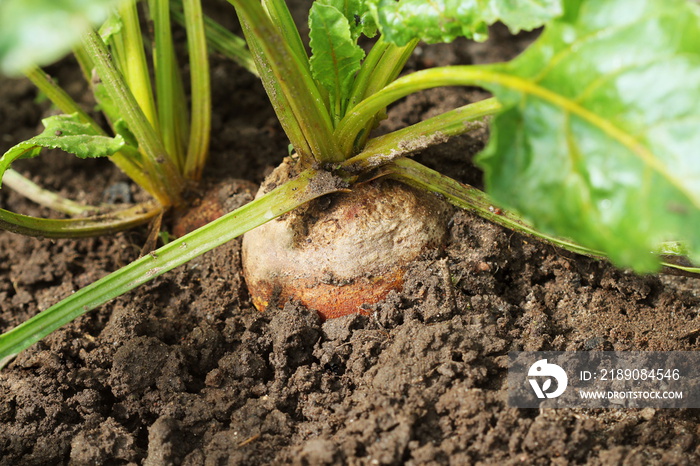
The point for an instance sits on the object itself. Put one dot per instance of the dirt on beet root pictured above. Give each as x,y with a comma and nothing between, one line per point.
185,371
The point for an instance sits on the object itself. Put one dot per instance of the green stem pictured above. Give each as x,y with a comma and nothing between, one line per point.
492,77
471,199
387,69
278,99
382,66
474,200
79,227
222,40
369,65
352,125
292,90
200,123
44,197
167,182
85,63
277,202
403,142
66,104
117,47
136,72
281,17
170,99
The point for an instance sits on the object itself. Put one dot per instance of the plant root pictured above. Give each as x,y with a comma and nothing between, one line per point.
344,252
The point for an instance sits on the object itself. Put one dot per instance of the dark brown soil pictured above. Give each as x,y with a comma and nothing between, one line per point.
185,371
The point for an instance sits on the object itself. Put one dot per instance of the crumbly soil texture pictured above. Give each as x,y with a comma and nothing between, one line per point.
184,371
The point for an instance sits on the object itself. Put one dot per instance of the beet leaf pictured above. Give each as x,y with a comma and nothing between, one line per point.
68,133
599,136
41,31
445,20
336,56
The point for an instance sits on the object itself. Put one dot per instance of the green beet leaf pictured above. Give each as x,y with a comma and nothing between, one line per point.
111,27
335,55
41,31
444,20
600,137
357,13
522,16
68,133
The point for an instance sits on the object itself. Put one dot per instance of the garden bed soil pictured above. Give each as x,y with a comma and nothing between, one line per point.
185,371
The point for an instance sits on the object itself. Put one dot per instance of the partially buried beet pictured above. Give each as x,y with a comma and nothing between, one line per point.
342,252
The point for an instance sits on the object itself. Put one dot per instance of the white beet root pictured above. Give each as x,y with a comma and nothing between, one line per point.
342,251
